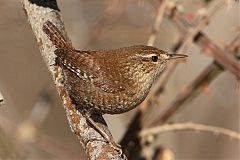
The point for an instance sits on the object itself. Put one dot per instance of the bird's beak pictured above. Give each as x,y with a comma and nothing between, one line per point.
177,56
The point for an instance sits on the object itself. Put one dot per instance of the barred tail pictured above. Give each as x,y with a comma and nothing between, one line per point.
56,36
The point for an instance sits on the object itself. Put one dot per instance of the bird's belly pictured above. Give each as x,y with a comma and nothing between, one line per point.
93,100
110,103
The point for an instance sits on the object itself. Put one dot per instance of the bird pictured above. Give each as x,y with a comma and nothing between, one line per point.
111,81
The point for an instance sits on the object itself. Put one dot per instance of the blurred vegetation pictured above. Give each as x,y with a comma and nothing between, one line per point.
33,124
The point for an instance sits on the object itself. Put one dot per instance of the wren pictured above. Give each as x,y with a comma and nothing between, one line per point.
107,81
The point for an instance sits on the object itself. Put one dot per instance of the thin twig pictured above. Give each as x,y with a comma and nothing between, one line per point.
218,54
188,36
38,12
158,20
189,126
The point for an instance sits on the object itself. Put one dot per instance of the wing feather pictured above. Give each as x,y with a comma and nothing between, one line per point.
87,67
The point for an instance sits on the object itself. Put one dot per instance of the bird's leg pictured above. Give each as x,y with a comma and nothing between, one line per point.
92,119
103,134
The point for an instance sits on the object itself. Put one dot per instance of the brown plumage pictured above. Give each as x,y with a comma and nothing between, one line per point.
107,81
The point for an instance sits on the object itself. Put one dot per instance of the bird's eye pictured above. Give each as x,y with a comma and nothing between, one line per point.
154,58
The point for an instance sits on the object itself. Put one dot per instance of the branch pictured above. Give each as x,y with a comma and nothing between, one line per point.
218,54
38,12
198,37
189,126
158,20
188,33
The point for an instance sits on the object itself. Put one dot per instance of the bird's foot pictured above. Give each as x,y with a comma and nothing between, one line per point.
107,137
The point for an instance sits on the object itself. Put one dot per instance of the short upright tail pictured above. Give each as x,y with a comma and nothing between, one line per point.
56,36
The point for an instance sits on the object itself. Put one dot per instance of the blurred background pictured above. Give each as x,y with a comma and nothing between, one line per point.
33,124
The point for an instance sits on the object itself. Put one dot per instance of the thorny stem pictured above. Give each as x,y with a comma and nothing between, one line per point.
188,126
222,59
189,33
194,88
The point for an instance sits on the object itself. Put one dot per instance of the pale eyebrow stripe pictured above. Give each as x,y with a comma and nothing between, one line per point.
146,56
